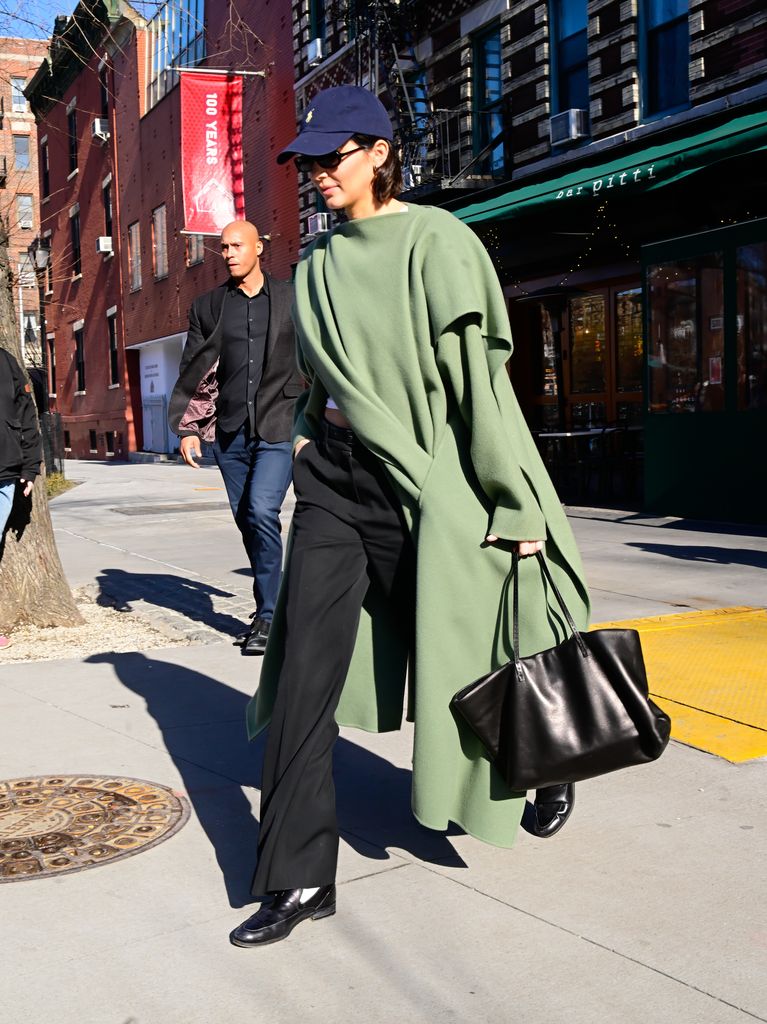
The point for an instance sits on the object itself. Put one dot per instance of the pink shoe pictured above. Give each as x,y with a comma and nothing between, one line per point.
5,641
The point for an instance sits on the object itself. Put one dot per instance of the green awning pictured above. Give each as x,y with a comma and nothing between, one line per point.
627,175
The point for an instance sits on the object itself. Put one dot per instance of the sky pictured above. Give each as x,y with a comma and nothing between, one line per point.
31,20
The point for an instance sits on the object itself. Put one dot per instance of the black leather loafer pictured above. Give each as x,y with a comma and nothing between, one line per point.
276,920
553,806
255,642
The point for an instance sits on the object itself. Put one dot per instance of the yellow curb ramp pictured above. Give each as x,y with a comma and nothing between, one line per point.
708,671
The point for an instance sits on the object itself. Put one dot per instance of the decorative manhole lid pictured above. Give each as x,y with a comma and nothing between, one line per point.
54,824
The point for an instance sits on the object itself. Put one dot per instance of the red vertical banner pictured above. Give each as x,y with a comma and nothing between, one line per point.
211,151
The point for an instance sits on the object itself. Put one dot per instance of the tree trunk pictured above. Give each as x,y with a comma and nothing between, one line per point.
33,588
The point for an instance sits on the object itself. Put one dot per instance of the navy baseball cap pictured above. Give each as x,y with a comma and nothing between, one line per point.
333,116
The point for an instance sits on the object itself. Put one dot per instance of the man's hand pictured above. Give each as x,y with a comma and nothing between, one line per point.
190,450
27,486
524,547
299,445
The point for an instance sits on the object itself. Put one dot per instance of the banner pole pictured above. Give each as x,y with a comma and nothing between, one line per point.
216,71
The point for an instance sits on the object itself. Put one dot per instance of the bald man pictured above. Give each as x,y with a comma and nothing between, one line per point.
237,385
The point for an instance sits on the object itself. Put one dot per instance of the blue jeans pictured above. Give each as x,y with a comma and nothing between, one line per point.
256,476
7,490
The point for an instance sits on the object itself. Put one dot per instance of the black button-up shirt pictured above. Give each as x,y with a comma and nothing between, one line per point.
241,364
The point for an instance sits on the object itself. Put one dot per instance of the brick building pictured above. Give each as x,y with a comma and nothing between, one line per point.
19,199
611,155
120,320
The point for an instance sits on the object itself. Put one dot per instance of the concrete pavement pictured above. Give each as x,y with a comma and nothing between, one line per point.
648,906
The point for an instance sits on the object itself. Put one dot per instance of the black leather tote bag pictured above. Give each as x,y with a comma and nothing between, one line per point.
575,711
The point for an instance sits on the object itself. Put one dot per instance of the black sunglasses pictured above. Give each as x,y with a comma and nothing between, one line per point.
328,161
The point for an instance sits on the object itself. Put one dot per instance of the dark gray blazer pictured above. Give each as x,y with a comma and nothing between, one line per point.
281,382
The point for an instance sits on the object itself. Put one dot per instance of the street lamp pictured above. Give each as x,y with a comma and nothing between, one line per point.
39,255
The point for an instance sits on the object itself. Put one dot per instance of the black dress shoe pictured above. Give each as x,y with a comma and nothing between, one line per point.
255,642
553,806
240,639
276,920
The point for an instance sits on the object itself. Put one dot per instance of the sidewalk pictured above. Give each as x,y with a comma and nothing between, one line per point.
648,907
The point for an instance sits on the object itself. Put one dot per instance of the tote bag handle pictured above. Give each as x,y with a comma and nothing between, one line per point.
515,615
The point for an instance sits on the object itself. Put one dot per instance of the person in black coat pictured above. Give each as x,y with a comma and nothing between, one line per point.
20,443
237,385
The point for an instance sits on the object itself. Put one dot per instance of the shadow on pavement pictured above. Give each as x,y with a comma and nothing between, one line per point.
713,555
203,726
188,597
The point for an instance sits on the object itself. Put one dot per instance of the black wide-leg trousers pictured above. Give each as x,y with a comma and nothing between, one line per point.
347,531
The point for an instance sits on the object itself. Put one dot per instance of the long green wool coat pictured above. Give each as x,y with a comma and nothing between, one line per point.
401,319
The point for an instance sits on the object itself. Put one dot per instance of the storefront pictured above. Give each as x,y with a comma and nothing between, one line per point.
637,299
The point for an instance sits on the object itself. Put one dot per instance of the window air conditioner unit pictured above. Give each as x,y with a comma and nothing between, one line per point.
412,175
318,223
315,52
569,126
104,244
100,128
26,222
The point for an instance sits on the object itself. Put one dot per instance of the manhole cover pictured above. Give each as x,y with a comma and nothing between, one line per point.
52,824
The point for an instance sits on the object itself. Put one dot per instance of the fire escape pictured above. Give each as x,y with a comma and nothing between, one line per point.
442,149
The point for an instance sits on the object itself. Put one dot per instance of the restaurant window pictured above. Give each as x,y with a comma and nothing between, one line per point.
45,166
686,335
570,64
159,243
80,358
134,256
72,137
21,152
666,55
629,340
18,99
751,269
487,100
195,249
112,329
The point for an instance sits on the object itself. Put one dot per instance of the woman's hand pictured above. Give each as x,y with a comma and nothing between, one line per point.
524,547
299,445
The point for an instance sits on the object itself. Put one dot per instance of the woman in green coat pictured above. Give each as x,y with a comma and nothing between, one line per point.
415,479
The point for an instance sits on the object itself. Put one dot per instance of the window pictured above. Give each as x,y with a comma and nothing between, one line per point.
106,195
67,441
666,55
686,344
570,64
486,113
159,243
112,328
629,340
48,273
134,256
175,38
46,169
74,225
25,271
751,269
79,334
21,152
195,249
104,92
317,19
52,369
109,440
72,134
24,211
18,99
93,441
